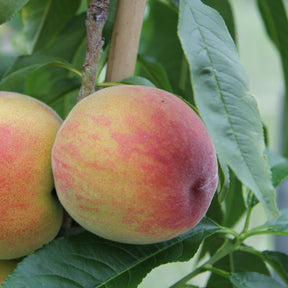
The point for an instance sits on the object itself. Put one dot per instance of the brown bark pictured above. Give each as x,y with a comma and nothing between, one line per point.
96,19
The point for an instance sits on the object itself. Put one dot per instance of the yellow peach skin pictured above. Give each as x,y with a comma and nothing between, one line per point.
134,164
6,268
30,215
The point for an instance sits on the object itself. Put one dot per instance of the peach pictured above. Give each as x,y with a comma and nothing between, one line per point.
30,215
6,268
134,164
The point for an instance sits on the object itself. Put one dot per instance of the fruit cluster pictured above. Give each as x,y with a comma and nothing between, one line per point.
132,164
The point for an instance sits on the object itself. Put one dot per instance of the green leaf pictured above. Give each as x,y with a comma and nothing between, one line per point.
108,28
83,6
134,80
9,8
278,225
172,4
224,179
101,71
279,262
64,95
234,202
215,211
220,86
24,65
230,194
69,45
85,260
253,280
279,166
6,61
160,44
156,73
225,10
251,200
69,41
65,102
237,262
274,17
43,20
210,246
51,84
137,80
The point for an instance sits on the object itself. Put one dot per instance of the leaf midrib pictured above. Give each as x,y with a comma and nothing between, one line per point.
221,94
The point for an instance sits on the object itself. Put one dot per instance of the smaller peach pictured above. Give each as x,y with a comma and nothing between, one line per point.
30,214
6,268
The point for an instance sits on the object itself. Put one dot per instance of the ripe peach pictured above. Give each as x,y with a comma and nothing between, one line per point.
6,268
30,215
134,164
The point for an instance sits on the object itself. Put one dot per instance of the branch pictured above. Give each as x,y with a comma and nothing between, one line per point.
96,19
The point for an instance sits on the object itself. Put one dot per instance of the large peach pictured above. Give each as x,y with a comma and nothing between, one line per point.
134,164
30,215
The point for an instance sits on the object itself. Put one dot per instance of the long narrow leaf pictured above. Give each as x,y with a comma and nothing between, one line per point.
239,262
24,65
44,19
225,10
160,44
156,73
220,85
9,8
279,262
278,225
87,261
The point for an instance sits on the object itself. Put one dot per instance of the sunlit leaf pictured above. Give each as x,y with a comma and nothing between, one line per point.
220,85
225,10
253,280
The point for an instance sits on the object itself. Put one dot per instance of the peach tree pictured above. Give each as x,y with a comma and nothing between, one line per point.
188,48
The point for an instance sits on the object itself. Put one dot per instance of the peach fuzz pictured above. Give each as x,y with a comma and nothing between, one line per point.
134,164
6,268
30,215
